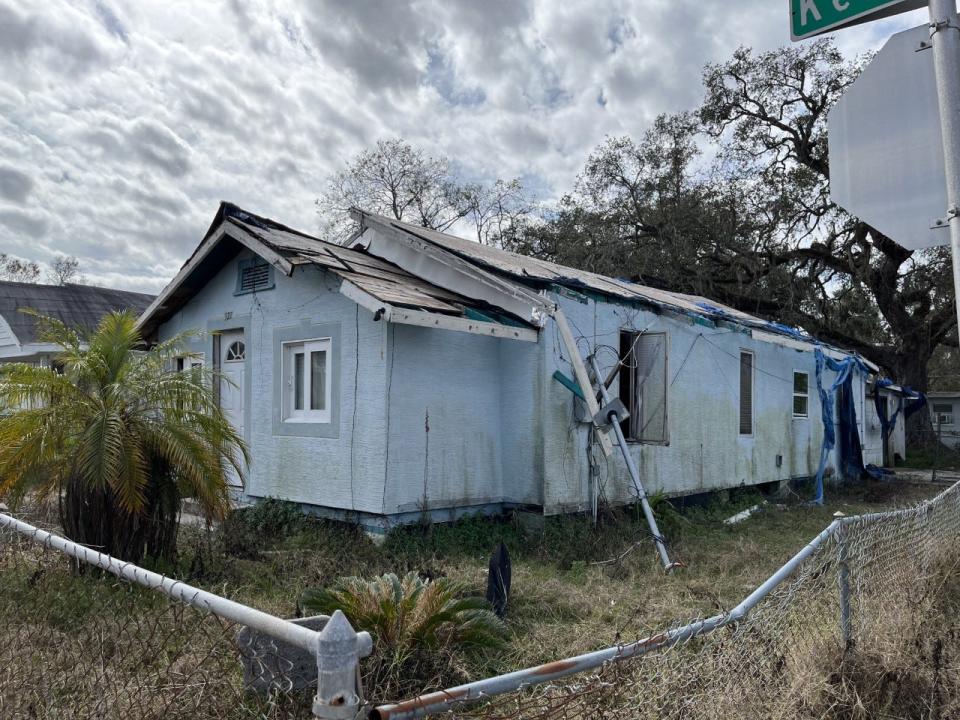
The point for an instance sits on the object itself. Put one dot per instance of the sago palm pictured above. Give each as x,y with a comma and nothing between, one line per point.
116,437
418,626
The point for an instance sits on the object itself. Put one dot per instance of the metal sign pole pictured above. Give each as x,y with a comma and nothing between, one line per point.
945,36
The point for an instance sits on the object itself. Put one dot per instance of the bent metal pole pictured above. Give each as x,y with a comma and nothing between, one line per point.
945,38
614,419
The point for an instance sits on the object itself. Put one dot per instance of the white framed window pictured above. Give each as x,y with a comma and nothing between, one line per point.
801,394
306,381
943,413
746,392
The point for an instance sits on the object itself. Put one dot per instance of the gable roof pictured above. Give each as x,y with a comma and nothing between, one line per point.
77,306
380,286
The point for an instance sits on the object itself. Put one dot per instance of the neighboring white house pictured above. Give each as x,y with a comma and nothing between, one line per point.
416,372
77,306
878,450
945,415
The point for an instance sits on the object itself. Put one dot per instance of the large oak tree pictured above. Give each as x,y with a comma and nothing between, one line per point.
732,201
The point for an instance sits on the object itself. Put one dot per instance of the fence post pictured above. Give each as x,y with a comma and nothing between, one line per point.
936,449
843,580
339,650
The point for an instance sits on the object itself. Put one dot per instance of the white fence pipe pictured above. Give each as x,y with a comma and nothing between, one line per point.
264,622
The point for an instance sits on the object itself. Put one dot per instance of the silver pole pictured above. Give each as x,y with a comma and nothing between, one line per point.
632,468
945,36
843,581
297,635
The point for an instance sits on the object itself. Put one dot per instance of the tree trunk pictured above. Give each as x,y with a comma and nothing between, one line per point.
911,371
93,517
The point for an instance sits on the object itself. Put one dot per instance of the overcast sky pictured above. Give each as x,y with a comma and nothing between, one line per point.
123,124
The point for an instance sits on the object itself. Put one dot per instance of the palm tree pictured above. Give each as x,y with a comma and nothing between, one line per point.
116,437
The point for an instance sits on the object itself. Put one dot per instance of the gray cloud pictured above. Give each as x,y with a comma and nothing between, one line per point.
53,39
14,185
123,123
156,144
31,225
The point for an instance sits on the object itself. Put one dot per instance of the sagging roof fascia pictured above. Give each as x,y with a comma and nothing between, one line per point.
31,349
226,228
445,269
730,322
420,318
809,346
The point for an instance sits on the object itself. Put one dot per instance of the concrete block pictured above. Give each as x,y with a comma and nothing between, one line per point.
270,665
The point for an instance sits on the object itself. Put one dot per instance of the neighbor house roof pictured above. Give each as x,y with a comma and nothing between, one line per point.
77,306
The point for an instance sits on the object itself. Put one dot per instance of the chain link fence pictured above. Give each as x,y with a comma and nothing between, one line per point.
79,643
865,625
862,622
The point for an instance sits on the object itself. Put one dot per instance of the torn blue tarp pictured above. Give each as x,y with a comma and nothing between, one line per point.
915,403
886,424
787,330
848,436
851,460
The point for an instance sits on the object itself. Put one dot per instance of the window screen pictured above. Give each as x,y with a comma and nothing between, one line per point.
643,385
746,393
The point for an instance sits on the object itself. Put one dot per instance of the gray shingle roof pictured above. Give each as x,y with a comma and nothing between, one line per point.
78,306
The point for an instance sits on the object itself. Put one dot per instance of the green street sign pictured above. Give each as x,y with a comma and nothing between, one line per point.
816,17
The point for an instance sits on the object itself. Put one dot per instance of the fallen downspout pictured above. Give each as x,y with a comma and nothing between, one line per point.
613,417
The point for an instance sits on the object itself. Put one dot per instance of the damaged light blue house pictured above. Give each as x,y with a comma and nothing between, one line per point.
416,372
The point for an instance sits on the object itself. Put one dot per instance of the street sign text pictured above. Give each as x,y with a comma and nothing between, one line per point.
815,17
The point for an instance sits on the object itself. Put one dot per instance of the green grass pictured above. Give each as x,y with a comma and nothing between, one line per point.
566,599
927,458
562,601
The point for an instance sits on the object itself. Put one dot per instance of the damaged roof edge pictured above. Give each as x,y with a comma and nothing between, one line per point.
532,271
383,287
445,269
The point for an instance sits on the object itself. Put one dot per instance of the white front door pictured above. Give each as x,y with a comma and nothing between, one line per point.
233,355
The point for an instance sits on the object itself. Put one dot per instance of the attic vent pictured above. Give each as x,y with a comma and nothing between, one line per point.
254,275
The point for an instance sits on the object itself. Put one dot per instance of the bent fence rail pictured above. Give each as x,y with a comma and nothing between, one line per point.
337,649
868,583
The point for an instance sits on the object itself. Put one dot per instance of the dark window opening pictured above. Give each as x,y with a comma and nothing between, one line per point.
643,385
746,393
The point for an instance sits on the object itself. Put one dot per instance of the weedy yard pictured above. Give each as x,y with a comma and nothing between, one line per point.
575,588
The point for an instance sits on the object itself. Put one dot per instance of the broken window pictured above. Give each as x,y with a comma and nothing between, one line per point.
643,385
746,393
801,394
306,367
